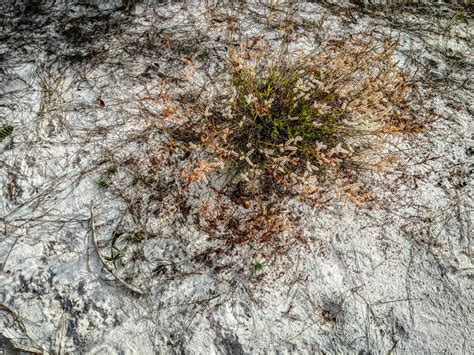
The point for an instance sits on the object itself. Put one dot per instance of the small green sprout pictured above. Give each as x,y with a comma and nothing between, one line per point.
105,178
111,171
257,268
103,184
115,255
132,238
5,131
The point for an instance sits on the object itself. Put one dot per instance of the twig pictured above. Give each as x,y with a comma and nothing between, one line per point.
2,265
104,262
17,318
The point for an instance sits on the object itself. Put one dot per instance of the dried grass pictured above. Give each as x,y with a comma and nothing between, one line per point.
312,123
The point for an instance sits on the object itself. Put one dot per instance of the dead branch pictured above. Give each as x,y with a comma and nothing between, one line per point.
104,262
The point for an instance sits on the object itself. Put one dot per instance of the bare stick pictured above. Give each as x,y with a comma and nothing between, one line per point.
104,262
18,320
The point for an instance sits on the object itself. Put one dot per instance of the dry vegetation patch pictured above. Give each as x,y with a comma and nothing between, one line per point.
229,143
312,122
317,125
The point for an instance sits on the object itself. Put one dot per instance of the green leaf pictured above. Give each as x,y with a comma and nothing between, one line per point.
5,131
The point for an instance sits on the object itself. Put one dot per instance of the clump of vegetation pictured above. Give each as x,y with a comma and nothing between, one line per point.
298,123
304,124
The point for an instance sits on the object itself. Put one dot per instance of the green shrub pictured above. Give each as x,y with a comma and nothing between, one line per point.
301,123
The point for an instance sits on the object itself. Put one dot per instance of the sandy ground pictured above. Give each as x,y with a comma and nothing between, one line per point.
79,84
